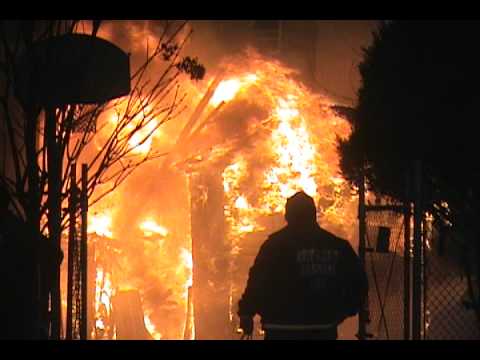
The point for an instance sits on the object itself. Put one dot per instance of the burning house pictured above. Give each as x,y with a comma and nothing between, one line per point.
170,249
202,167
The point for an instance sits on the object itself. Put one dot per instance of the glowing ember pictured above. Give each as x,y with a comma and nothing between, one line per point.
241,203
141,141
151,328
228,89
150,228
233,174
225,91
103,305
142,128
100,224
187,262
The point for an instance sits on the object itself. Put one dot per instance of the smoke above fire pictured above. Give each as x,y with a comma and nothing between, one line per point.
263,132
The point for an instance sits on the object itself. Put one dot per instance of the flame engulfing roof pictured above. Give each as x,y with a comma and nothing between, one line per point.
265,136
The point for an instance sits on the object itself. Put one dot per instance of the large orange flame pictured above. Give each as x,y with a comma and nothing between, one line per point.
294,149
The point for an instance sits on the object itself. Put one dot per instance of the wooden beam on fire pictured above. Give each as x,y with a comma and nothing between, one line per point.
196,161
189,326
193,119
187,142
210,257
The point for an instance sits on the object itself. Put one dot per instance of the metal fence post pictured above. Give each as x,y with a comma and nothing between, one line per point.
417,254
363,315
407,269
72,229
83,251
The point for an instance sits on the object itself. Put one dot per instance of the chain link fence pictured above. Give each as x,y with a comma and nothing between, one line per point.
447,311
449,314
385,269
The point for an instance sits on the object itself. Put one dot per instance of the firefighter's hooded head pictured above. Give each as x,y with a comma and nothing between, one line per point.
300,209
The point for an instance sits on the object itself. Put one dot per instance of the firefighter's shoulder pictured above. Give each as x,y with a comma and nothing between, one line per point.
275,238
335,240
278,235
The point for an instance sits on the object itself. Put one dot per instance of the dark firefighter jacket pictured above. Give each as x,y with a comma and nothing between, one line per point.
304,277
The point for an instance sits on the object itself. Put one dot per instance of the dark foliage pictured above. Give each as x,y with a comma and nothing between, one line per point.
418,101
192,67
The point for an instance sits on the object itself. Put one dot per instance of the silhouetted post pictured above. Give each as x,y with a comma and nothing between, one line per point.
54,212
424,279
83,250
363,315
72,229
406,262
211,306
417,254
32,213
188,331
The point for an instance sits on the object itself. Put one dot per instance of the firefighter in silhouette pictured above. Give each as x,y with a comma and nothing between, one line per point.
304,282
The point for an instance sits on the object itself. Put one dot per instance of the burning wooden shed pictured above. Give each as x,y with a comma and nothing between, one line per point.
188,227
